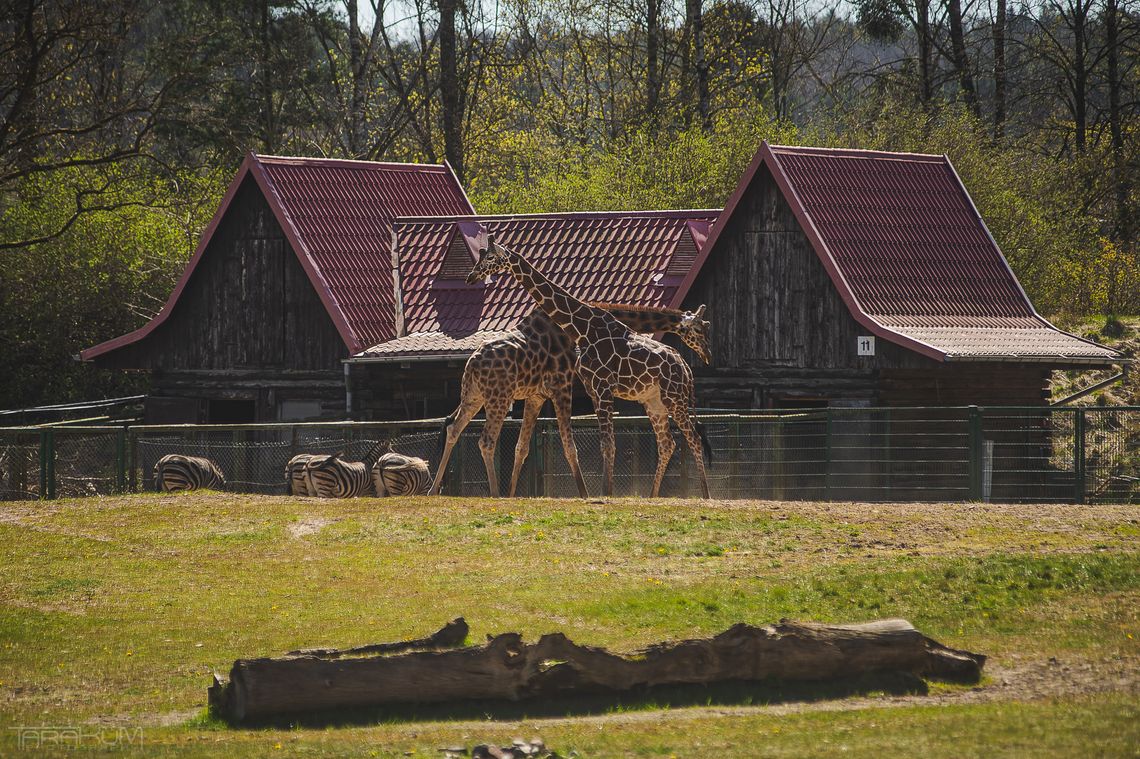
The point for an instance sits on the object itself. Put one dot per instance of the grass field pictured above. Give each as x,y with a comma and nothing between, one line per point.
114,612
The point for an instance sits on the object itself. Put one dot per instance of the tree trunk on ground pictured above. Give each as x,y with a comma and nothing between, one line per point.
508,669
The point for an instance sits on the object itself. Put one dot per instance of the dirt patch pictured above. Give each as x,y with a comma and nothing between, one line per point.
309,526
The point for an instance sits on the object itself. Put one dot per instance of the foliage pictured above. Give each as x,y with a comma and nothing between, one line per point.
105,275
111,109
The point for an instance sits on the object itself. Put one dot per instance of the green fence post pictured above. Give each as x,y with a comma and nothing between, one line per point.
827,473
976,453
535,458
47,463
132,460
43,463
120,460
1079,455
734,465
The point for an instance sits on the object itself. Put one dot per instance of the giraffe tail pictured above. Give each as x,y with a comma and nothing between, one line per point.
705,444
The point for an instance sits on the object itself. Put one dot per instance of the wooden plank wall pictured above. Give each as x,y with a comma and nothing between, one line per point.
249,323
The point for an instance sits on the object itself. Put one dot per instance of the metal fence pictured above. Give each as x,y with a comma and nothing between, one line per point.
1007,454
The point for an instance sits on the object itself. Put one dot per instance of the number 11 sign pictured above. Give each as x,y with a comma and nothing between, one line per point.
865,345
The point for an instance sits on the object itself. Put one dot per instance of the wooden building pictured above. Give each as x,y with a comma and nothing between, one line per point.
292,276
862,278
332,289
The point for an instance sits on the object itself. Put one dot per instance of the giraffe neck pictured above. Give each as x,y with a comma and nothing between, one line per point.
566,311
643,319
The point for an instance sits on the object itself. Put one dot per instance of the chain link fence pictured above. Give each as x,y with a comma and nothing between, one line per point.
1070,455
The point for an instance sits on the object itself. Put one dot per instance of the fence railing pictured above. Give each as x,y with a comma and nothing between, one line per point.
1008,454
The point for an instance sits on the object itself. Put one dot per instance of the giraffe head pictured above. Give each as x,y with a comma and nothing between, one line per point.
492,260
694,331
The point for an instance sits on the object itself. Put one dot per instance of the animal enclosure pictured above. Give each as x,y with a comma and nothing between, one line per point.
1066,455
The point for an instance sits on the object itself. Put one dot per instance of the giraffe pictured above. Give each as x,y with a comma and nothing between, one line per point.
613,362
534,362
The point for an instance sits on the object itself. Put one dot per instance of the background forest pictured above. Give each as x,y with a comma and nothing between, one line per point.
122,122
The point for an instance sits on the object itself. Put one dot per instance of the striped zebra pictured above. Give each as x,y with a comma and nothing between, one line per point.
175,472
330,477
296,476
397,474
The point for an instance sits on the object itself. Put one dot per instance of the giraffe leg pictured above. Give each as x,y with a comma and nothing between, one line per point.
604,408
522,447
563,402
680,413
659,419
468,408
496,409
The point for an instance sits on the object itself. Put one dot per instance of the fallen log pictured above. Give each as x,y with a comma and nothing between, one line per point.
450,635
506,668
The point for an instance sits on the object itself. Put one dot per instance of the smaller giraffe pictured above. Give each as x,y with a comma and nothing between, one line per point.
534,362
613,362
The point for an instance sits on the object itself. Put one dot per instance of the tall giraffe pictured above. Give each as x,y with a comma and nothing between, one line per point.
613,361
534,362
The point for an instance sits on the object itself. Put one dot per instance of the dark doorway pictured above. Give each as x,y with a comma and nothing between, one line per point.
231,412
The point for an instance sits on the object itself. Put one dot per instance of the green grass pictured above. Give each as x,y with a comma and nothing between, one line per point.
116,611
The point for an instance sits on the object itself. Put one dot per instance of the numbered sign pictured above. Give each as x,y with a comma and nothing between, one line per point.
865,345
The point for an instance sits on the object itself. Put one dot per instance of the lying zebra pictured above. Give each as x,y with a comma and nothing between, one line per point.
397,474
326,476
175,472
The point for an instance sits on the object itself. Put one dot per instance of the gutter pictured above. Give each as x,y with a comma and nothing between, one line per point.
397,358
1060,361
1093,388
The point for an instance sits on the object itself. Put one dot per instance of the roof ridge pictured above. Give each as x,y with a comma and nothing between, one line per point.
859,153
683,213
317,161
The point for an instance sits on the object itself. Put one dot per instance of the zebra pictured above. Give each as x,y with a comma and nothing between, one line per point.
329,477
296,477
175,472
397,474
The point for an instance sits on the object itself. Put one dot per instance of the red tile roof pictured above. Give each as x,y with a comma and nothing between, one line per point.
618,257
337,216
910,255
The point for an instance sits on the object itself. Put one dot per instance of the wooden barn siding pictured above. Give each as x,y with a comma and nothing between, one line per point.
780,329
249,323
248,305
